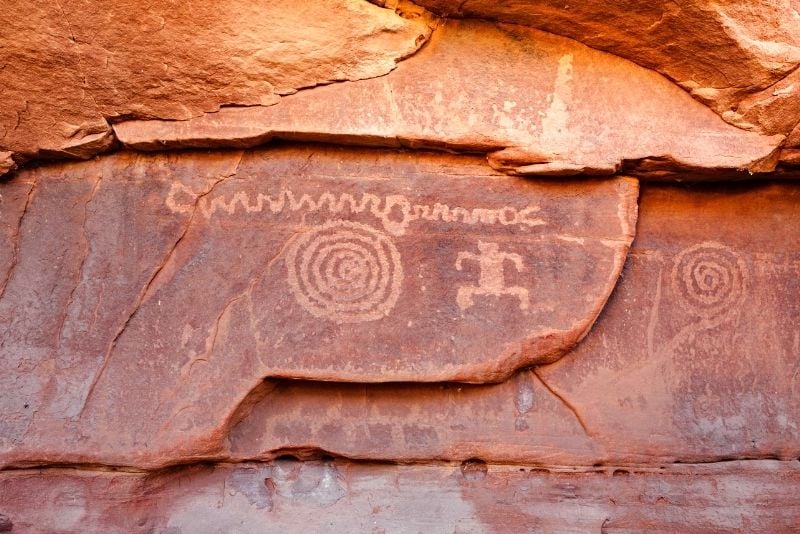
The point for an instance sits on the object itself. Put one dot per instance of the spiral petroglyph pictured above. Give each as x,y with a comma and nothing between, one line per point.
345,271
710,279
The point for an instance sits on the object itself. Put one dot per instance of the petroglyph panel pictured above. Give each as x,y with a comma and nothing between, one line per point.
694,368
184,280
392,276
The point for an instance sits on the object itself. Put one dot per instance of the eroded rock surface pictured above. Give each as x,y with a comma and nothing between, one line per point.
441,325
740,58
70,66
183,280
328,496
563,109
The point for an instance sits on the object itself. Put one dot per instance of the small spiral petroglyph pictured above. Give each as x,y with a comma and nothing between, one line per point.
345,271
710,279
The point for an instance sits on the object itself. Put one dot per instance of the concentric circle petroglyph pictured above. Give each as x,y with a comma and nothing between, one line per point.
710,279
345,271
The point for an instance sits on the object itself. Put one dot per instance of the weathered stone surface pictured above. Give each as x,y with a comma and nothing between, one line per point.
328,496
68,66
184,280
383,338
790,156
740,58
564,109
793,140
6,162
13,203
775,109
74,67
695,358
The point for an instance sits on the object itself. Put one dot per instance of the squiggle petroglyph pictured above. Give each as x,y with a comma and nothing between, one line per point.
345,271
395,212
710,279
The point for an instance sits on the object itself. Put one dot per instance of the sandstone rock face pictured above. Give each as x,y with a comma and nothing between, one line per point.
791,154
274,263
584,112
689,361
70,66
328,496
739,58
674,320
503,267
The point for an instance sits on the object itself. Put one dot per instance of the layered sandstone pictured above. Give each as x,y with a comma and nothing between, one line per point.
502,266
335,496
71,67
740,59
583,112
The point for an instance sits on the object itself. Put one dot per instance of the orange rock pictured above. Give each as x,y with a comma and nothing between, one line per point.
7,164
790,156
562,109
730,55
70,66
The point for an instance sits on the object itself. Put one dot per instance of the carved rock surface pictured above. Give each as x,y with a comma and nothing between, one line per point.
327,496
694,359
435,321
70,65
563,109
740,58
182,281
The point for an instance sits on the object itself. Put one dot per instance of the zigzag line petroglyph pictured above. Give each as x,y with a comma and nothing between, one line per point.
395,212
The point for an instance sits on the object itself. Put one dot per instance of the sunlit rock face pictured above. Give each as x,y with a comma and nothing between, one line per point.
390,266
738,58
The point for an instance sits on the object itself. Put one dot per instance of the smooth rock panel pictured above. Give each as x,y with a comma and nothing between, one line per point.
151,294
696,357
737,57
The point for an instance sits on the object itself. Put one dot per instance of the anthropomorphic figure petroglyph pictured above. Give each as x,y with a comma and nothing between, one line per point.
492,276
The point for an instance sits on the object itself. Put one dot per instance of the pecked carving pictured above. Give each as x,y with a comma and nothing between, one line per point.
317,263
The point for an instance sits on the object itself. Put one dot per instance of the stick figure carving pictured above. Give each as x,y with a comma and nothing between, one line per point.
492,278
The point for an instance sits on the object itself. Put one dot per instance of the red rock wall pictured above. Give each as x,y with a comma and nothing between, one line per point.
389,267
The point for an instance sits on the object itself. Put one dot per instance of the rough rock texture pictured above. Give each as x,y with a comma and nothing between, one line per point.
335,496
400,261
790,155
69,66
740,58
583,112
